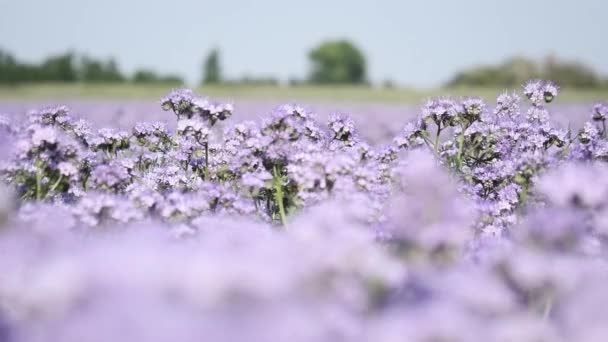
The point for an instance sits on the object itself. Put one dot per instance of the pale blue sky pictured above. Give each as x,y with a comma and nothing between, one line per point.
419,43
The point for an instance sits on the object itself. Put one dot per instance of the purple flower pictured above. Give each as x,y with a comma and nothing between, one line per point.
44,135
600,111
256,180
473,107
97,209
195,127
58,115
411,135
550,91
430,212
554,228
507,105
186,105
342,128
589,133
538,114
5,123
67,169
441,111
497,230
82,129
534,91
143,129
540,91
576,184
180,101
114,176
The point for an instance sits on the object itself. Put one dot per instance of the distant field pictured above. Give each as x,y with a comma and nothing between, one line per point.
313,93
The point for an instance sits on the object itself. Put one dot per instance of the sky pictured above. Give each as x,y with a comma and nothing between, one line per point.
414,43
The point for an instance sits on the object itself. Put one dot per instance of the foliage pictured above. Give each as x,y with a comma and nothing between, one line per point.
337,62
148,76
92,70
572,74
70,67
519,69
8,68
254,81
212,71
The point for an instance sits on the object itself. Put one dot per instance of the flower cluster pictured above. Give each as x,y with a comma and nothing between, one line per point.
497,154
186,105
475,223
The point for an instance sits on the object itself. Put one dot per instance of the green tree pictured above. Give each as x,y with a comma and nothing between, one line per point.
92,70
511,73
212,71
171,79
9,68
59,68
112,72
573,74
146,76
337,62
518,70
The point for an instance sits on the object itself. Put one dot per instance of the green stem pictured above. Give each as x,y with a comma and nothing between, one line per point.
547,308
38,179
278,194
428,142
436,145
113,150
523,195
567,149
141,158
460,149
56,184
26,194
84,182
206,176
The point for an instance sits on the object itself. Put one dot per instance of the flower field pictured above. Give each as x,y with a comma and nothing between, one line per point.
197,220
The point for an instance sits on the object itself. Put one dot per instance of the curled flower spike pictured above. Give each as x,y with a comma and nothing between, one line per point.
343,128
441,111
534,91
507,105
186,105
195,127
473,107
550,91
58,115
539,91
44,135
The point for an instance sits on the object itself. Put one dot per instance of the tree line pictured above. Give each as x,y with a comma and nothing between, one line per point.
517,70
341,62
331,62
71,67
